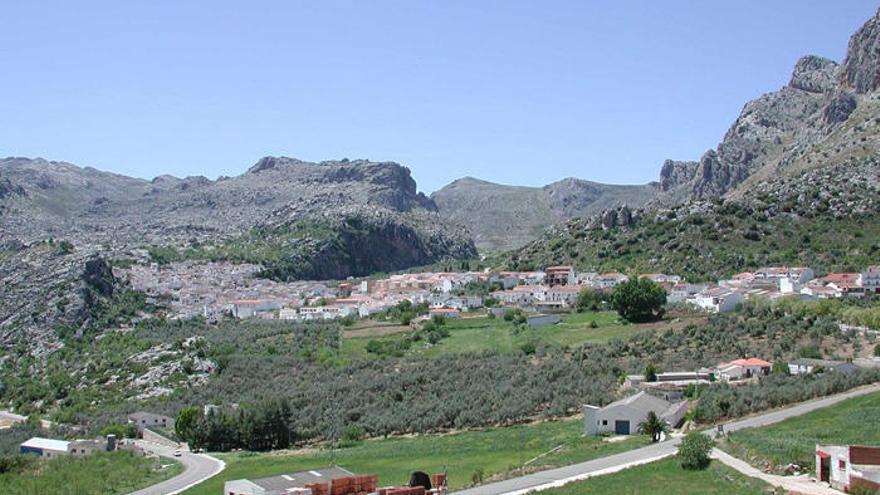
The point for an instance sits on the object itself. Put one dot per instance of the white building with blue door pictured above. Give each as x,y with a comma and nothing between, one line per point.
623,417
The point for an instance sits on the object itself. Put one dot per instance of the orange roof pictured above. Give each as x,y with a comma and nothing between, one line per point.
747,362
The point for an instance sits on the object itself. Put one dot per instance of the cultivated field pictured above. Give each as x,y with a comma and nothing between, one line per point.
794,440
666,477
470,455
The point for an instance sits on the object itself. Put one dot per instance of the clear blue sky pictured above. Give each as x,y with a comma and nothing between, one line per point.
514,92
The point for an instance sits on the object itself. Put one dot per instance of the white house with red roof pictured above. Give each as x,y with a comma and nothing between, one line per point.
740,369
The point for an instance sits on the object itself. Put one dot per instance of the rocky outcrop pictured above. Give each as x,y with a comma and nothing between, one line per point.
861,69
775,133
815,74
674,174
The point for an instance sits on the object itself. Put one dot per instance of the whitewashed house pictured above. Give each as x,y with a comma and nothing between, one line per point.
719,299
741,369
623,417
848,467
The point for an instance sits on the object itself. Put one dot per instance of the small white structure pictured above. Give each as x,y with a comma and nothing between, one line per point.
623,417
719,299
145,420
849,466
46,448
741,369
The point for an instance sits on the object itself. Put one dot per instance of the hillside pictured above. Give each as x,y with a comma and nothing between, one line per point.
793,181
365,203
300,220
501,217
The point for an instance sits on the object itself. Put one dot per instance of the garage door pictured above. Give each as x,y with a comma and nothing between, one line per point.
621,427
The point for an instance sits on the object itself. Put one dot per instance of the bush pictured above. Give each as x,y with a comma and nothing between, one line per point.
693,453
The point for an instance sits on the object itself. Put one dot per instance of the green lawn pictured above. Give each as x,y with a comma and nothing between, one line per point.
98,474
666,477
475,334
794,440
493,451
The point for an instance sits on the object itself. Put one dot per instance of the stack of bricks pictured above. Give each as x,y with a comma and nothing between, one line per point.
319,488
352,485
403,490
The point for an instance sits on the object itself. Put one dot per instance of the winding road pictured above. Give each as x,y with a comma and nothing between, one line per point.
197,468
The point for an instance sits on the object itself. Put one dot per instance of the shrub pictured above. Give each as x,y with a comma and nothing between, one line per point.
693,453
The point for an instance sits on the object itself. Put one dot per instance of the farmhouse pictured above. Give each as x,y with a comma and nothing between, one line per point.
44,447
623,417
719,299
847,467
306,482
741,369
145,420
48,448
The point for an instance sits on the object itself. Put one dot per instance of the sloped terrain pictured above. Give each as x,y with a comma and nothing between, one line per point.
501,217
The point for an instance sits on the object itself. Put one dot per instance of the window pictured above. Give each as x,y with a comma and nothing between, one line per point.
604,422
841,464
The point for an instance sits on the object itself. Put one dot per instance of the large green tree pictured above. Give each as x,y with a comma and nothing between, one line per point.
639,300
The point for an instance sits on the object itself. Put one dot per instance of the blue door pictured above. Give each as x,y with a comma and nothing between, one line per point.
621,427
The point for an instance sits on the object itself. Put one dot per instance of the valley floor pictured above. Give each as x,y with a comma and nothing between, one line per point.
468,456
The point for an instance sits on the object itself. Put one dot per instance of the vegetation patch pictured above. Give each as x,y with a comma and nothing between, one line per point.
667,477
794,440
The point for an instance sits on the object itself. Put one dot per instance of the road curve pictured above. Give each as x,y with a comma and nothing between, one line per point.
197,468
606,465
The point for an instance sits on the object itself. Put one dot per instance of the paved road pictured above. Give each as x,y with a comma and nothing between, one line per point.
197,468
605,465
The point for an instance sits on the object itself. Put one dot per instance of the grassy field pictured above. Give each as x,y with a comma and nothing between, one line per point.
99,474
479,333
493,452
794,440
666,477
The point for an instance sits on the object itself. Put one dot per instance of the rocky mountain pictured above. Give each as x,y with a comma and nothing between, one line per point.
502,217
825,114
59,224
44,199
795,180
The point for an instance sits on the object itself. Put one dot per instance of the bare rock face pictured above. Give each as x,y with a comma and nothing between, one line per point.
861,69
839,107
815,74
675,173
824,115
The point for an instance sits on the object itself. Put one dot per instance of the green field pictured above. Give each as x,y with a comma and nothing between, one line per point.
493,451
794,440
98,474
666,477
476,334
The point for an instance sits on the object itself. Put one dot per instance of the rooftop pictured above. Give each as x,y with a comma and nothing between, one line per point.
46,444
300,479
